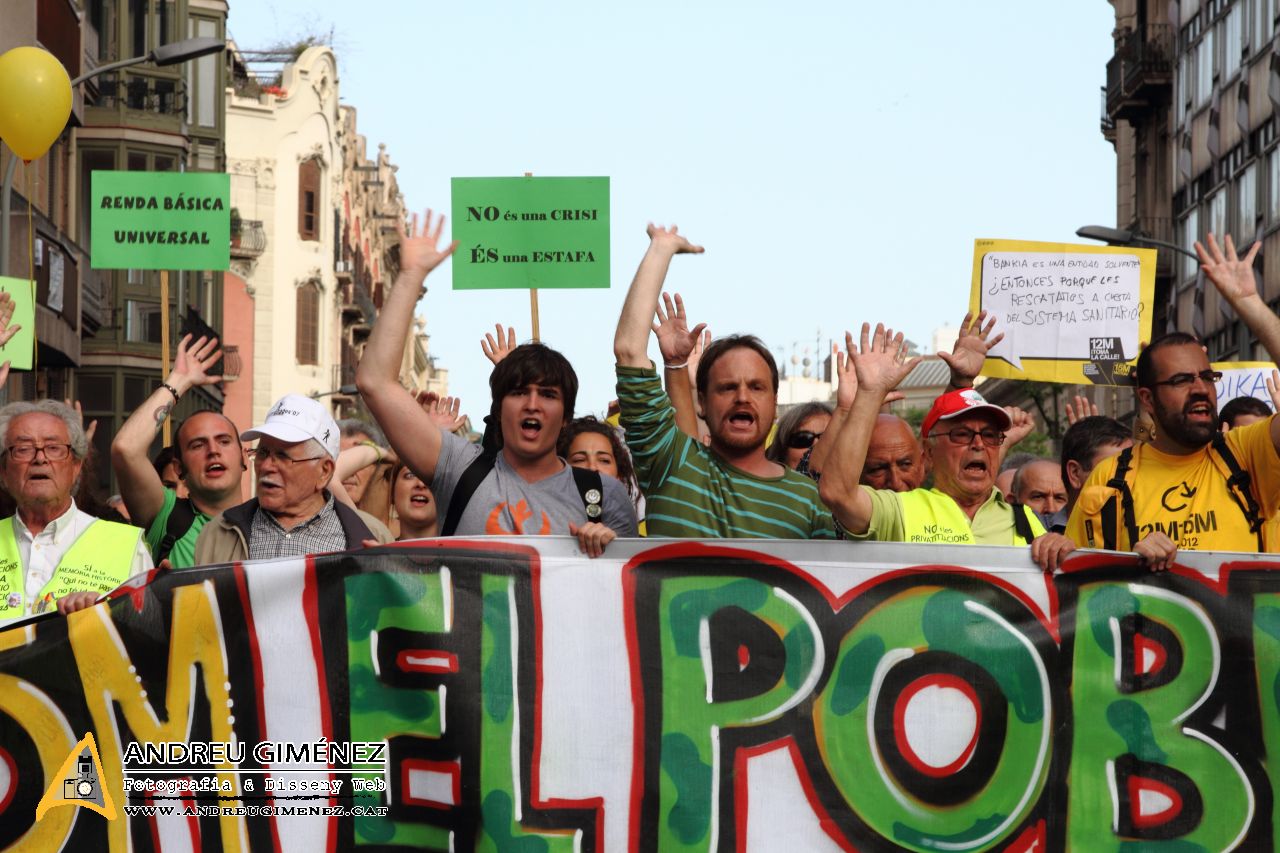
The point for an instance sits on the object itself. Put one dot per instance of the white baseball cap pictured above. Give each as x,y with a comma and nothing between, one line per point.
296,418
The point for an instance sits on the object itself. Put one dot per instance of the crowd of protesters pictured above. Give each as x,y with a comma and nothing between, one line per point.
697,451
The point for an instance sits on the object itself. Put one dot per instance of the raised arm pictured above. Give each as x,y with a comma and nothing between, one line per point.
678,343
1233,276
970,351
880,366
631,341
409,430
140,485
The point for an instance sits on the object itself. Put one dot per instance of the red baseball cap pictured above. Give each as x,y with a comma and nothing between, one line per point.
965,401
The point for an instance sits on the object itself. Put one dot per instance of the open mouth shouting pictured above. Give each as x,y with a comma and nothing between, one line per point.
530,429
741,420
214,470
420,500
1200,409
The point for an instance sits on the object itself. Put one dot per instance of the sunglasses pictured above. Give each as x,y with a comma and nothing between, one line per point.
803,439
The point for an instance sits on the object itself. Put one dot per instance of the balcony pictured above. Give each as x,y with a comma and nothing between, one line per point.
357,303
141,92
249,240
1140,74
1108,123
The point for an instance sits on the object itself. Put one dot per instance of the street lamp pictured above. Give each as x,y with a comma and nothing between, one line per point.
346,390
1119,237
167,54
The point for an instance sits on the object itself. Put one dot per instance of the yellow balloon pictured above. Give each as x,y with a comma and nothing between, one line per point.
35,100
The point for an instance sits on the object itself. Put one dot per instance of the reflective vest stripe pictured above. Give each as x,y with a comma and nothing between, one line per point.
99,560
930,516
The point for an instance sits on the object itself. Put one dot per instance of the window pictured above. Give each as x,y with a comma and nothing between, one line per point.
308,324
142,321
1190,234
1273,186
1182,92
1246,205
309,200
1232,43
202,78
1217,210
1263,24
1204,69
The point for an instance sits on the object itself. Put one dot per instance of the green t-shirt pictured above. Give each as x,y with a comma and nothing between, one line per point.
183,553
691,492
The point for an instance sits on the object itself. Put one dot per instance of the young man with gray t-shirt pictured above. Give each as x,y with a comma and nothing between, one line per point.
521,486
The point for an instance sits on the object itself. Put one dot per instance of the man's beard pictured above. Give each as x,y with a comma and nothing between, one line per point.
1176,425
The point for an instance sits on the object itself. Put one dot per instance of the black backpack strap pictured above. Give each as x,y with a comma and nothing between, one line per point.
1021,523
466,487
591,488
1118,481
180,519
1240,485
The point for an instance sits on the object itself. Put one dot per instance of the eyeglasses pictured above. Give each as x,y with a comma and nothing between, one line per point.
803,439
964,436
279,457
1182,380
27,452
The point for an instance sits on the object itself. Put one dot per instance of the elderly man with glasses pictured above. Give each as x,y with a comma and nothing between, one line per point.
963,434
51,552
1191,486
294,514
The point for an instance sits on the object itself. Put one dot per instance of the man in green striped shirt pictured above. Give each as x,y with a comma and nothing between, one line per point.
728,489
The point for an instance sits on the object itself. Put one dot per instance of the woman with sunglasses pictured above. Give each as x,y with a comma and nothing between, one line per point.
798,429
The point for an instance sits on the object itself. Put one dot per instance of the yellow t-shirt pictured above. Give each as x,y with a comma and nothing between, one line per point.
1185,497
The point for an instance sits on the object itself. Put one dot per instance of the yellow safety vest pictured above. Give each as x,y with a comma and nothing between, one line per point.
929,516
99,561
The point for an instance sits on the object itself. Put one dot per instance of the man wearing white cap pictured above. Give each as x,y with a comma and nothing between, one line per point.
293,514
962,435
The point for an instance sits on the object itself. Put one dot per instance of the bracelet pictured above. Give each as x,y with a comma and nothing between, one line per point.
679,366
174,391
376,449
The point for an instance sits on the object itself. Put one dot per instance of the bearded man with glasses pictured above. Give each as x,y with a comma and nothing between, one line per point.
963,434
1191,486
51,552
294,514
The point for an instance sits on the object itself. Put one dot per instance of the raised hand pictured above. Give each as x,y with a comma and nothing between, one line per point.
445,412
75,404
1232,275
497,347
1273,387
672,239
1083,409
420,252
881,363
6,315
676,340
1023,425
704,341
193,361
846,375
970,351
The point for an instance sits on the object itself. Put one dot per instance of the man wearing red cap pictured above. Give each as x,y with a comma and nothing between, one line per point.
962,436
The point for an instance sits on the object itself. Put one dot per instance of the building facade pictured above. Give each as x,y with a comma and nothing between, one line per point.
1190,103
99,330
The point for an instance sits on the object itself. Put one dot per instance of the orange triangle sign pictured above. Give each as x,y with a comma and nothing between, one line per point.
79,783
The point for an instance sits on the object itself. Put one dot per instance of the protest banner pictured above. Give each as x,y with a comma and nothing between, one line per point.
1071,314
20,350
502,693
160,220
1243,379
530,232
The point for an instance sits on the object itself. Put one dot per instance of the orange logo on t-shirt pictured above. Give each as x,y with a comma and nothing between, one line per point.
520,513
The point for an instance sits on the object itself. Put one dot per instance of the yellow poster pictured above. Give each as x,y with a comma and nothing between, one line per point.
1068,313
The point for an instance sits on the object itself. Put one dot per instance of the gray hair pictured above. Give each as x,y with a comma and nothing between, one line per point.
1016,485
315,448
75,429
350,427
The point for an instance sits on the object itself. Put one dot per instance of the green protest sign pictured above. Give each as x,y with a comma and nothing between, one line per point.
20,349
161,220
530,233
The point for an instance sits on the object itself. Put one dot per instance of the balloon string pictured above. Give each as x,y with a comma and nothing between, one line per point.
31,254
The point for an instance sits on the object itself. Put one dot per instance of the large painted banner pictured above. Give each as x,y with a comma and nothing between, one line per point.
510,694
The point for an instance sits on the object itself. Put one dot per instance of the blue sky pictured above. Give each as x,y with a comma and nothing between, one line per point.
837,159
